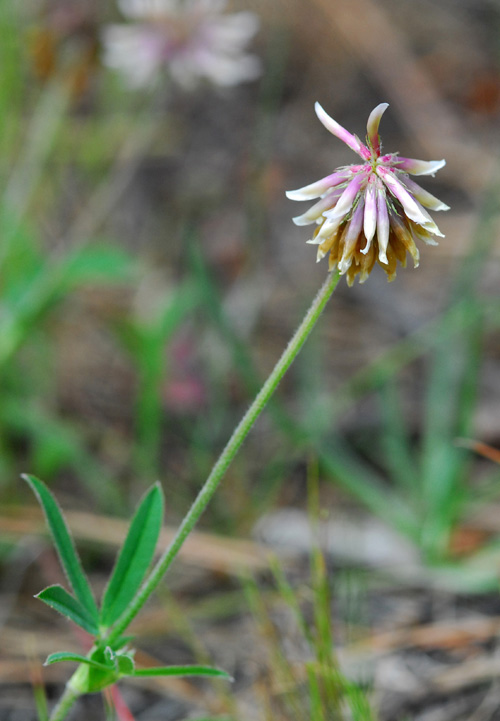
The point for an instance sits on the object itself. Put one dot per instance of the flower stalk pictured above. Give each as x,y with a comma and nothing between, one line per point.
67,700
218,471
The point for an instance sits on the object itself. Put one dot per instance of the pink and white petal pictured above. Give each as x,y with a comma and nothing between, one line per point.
318,188
316,211
419,167
373,125
348,138
370,217
347,198
383,225
426,199
351,237
411,207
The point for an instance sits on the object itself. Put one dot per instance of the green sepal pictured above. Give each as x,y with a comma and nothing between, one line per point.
135,556
60,600
102,668
65,546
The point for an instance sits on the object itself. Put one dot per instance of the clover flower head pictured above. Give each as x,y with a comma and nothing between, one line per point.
369,212
190,39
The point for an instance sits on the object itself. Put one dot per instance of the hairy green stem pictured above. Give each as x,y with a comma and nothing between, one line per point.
227,455
65,703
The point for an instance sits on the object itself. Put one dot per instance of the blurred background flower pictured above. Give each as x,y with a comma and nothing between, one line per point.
187,39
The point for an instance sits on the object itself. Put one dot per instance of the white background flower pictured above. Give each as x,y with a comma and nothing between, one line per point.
190,39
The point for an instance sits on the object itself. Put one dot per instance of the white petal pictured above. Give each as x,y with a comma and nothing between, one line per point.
140,9
382,225
372,126
328,227
320,254
135,50
419,167
232,32
426,199
370,217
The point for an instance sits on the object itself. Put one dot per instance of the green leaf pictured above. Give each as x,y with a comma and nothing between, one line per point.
75,658
64,546
183,671
135,556
60,600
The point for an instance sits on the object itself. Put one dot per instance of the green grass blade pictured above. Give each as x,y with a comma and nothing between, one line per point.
315,699
60,600
58,444
183,671
64,545
135,556
395,441
450,406
102,263
40,698
366,485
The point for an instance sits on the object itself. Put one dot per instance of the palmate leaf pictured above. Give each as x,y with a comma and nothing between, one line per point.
183,671
60,600
135,556
64,546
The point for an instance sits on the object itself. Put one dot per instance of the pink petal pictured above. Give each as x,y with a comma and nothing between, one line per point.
419,167
410,205
347,198
315,190
372,126
351,237
348,138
